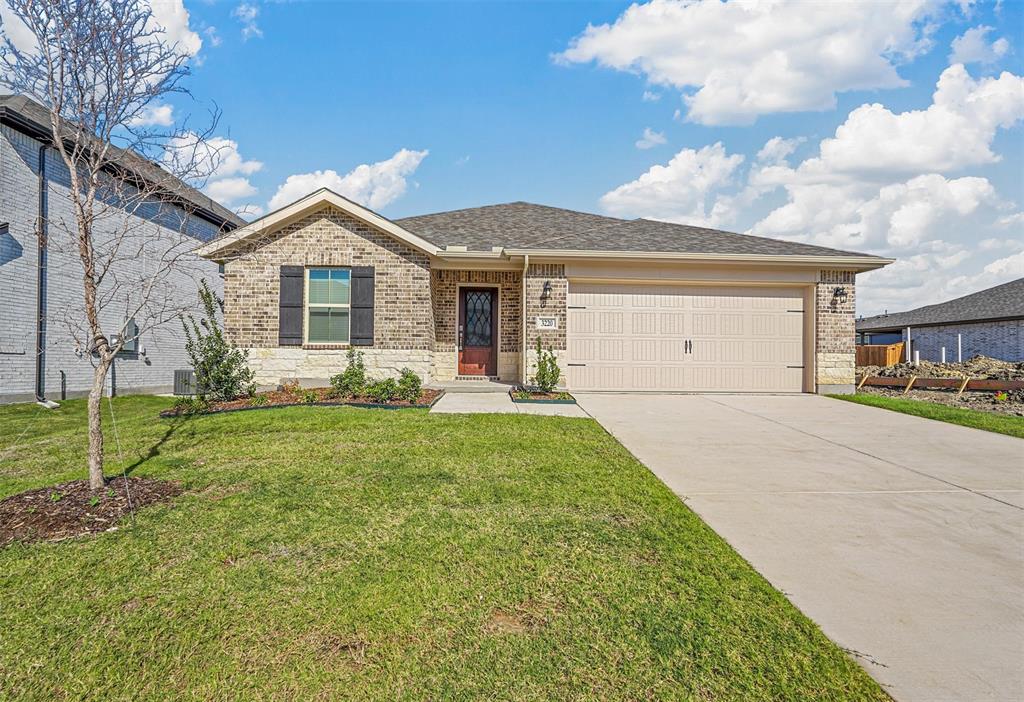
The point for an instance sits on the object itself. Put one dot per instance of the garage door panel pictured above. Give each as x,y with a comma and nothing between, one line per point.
633,337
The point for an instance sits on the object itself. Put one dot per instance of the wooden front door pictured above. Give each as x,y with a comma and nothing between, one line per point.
478,331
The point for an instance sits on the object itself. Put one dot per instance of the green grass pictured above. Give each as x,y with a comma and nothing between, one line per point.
976,419
339,553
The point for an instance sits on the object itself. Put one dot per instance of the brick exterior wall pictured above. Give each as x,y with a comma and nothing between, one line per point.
329,237
444,290
19,197
835,332
554,305
1002,340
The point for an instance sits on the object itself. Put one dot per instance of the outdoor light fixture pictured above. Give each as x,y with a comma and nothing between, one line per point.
839,295
545,293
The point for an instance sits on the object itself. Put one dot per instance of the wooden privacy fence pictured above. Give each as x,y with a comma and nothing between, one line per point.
879,354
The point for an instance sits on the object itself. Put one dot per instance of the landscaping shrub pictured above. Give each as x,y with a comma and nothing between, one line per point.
548,372
351,381
258,400
191,405
410,386
222,371
383,390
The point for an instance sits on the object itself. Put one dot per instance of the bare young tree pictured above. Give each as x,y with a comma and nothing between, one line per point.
97,66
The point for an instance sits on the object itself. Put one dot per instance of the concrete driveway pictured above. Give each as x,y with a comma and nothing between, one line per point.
903,538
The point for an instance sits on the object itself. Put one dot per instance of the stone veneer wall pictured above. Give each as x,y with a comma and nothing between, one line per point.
444,290
553,306
835,332
403,323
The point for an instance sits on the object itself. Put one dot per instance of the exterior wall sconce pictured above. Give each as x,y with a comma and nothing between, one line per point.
839,295
545,293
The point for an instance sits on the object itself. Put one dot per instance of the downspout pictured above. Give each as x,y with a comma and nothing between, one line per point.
523,367
41,275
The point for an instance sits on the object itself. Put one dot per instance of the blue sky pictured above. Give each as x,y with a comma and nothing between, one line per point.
422,107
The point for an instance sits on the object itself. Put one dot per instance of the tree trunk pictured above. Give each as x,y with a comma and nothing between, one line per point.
99,381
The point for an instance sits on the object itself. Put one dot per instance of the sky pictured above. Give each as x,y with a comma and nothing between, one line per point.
893,128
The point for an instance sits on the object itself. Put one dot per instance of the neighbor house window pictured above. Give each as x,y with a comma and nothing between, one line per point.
327,305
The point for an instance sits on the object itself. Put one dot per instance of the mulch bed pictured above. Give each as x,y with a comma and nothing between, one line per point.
65,511
528,394
288,398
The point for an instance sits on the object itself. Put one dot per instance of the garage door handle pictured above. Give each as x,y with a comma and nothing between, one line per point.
576,365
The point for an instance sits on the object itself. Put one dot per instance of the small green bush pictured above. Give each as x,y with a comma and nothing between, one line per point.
222,371
409,386
383,390
351,381
258,400
310,397
548,372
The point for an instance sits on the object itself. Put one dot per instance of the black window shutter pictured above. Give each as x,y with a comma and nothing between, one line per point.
362,306
290,305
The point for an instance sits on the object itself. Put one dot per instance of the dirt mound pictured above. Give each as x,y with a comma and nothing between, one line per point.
72,509
978,367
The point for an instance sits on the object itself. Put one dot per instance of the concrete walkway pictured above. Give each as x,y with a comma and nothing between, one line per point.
903,538
472,402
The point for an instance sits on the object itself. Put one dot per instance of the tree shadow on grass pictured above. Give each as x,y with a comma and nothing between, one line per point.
154,450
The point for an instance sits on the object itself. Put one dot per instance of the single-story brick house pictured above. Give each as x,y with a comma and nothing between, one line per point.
625,304
989,322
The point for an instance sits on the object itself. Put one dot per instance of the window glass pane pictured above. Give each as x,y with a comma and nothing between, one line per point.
318,286
338,328
339,287
319,325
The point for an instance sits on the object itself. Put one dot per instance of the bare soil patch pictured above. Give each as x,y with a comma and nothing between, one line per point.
72,509
978,367
1013,405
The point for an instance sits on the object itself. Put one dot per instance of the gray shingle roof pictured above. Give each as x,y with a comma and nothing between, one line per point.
27,115
1001,302
522,225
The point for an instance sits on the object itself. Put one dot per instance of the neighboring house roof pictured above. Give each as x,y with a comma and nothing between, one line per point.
1004,301
29,117
520,228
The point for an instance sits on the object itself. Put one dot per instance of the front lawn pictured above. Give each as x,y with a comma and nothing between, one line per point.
339,553
989,421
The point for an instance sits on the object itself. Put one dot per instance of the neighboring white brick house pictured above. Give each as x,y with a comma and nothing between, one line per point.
989,323
161,350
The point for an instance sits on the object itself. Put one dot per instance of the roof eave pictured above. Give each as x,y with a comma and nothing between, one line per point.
855,263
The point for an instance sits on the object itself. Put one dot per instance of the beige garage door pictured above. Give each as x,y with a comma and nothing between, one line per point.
684,338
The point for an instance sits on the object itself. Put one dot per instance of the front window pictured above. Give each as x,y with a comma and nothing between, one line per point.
327,305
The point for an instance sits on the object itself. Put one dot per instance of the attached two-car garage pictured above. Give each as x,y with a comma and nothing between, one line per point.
630,336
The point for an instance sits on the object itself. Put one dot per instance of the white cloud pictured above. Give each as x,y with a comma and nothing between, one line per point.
226,190
1011,220
973,47
776,150
737,60
650,139
247,14
679,190
374,185
172,17
214,38
217,161
651,96
954,132
154,116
